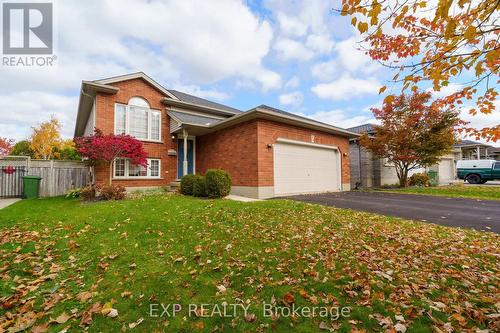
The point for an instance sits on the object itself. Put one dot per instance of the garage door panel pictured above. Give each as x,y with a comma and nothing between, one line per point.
446,169
301,169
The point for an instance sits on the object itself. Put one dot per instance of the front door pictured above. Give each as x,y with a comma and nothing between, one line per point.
180,157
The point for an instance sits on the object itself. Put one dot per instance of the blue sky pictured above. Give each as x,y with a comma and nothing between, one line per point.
299,56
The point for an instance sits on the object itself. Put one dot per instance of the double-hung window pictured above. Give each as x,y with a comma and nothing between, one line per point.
138,120
123,168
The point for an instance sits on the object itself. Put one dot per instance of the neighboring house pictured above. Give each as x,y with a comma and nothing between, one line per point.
368,171
472,150
267,152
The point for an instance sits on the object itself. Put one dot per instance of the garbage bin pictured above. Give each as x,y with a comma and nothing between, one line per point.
433,177
31,185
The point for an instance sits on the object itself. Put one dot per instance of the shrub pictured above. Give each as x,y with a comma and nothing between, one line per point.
88,193
112,192
187,183
74,193
218,183
199,186
419,179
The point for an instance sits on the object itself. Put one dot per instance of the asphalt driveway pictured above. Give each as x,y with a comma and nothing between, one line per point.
456,212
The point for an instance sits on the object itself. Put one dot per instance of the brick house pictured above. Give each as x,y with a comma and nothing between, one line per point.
267,152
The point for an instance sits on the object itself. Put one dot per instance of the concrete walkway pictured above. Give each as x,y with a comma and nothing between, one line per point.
7,202
239,198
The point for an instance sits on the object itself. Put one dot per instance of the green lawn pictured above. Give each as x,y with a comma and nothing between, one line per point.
459,191
63,264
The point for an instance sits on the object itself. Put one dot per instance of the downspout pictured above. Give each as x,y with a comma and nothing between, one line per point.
184,161
359,165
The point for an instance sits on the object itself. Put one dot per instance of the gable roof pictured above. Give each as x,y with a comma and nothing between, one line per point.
138,75
264,107
172,97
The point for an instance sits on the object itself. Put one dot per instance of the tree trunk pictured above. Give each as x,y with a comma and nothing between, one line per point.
404,177
110,172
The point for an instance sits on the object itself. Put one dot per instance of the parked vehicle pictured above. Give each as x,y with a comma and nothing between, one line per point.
478,171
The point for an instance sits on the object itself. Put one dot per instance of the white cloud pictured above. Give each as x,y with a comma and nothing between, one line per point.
292,99
293,83
325,71
445,91
28,108
352,58
320,43
340,118
203,93
289,49
346,87
175,42
231,42
481,120
290,25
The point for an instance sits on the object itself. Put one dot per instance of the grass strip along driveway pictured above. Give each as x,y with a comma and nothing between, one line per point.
109,266
454,191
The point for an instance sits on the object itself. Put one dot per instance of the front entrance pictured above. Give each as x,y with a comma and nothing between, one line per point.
180,157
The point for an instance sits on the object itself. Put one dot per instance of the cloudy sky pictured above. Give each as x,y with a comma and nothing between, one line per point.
298,56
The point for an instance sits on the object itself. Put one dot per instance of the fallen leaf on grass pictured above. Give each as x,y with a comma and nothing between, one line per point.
288,299
72,245
42,328
250,318
136,323
84,296
86,319
126,294
400,328
113,313
62,318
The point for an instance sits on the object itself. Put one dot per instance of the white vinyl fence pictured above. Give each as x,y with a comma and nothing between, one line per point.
58,177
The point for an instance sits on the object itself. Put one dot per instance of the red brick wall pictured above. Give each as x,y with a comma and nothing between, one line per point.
242,150
233,149
269,131
105,108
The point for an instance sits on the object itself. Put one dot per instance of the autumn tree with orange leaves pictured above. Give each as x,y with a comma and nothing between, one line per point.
441,42
414,132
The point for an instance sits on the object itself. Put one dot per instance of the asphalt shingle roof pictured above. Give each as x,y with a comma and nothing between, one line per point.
201,101
270,108
195,119
365,128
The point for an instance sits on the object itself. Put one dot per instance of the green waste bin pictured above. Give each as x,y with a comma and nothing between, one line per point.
433,177
31,185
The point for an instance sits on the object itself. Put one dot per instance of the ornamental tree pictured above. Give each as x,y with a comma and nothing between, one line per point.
440,43
46,139
6,146
106,148
414,132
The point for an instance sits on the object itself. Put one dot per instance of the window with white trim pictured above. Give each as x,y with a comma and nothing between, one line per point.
138,120
123,168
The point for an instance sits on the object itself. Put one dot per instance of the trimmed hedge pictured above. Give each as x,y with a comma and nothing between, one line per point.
187,183
218,183
199,186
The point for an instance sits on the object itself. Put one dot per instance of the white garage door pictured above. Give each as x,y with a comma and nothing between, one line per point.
305,168
446,171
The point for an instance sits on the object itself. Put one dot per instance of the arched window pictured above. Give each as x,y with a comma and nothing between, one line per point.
138,101
137,119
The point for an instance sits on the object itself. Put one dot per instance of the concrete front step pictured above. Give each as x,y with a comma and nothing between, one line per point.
174,186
